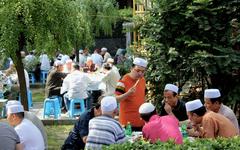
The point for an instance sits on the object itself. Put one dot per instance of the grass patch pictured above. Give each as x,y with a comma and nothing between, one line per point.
56,135
38,94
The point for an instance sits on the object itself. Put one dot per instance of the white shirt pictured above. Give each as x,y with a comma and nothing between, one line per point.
106,56
76,84
45,62
111,79
30,136
97,59
228,113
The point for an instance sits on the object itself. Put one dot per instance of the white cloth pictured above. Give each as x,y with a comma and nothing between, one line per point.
64,58
76,84
45,62
30,136
26,78
97,59
110,79
30,58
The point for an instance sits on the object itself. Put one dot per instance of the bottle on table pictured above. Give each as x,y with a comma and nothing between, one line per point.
128,130
184,130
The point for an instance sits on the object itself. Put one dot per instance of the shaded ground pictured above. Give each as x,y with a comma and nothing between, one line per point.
56,133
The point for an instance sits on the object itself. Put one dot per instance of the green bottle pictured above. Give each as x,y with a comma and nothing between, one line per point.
184,130
128,130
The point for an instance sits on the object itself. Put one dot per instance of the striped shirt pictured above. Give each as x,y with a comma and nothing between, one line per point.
104,130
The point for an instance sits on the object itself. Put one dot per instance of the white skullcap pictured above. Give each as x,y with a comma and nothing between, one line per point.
69,61
11,62
212,93
110,60
89,58
12,109
108,104
140,62
193,105
146,108
171,87
13,102
104,49
80,51
58,63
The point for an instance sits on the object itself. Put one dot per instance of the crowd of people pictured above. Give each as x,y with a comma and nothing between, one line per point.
98,127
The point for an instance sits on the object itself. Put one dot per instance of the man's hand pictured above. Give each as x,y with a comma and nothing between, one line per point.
84,139
168,109
131,90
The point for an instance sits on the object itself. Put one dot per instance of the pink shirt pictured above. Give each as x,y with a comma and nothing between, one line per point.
163,129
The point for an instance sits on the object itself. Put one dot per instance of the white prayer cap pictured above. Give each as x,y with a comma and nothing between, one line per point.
193,105
108,104
69,61
104,49
11,63
80,51
89,58
12,109
212,93
13,102
171,87
58,63
146,108
110,60
140,62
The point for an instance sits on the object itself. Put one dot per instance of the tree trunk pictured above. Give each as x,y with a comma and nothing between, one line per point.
20,72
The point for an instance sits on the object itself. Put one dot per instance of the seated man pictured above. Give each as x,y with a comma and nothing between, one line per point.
78,136
209,124
75,86
104,129
30,136
33,118
214,103
172,105
9,140
159,128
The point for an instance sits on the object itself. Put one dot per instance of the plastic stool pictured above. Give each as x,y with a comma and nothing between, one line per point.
51,107
31,77
44,76
73,111
29,97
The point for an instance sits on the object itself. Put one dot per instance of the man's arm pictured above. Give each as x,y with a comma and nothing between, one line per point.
19,146
125,95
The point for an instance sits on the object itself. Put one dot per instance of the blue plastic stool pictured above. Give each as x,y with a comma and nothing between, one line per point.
51,107
29,97
44,76
73,111
31,77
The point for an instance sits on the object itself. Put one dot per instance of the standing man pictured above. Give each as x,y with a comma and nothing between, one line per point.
30,136
172,105
209,124
130,92
214,103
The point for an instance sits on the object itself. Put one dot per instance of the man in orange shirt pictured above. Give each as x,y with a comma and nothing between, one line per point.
209,124
130,93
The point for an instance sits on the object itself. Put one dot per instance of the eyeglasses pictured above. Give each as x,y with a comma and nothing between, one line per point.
139,70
